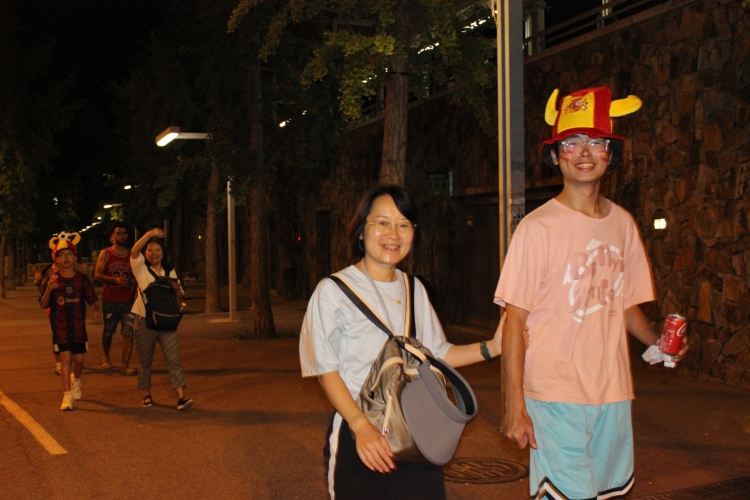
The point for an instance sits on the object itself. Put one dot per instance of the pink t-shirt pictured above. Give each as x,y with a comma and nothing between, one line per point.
576,276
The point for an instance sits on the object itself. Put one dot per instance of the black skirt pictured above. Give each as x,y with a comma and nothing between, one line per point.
352,480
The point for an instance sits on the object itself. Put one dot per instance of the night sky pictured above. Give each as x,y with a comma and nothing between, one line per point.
94,40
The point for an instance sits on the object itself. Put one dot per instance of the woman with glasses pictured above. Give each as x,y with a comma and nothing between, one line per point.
146,261
338,344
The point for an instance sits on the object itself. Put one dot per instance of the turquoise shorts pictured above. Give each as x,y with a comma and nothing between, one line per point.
583,452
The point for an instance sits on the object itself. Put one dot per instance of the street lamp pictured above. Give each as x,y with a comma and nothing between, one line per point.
172,133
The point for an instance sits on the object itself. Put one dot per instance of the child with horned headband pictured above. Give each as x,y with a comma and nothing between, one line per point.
575,274
66,294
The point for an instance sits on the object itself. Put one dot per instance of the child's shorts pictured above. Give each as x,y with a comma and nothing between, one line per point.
74,348
583,452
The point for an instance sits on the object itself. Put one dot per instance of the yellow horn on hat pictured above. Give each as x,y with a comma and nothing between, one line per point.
550,114
622,107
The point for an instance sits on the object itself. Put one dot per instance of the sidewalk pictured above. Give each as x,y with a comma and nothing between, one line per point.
688,433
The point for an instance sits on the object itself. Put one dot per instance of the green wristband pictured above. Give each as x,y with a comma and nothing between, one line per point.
485,352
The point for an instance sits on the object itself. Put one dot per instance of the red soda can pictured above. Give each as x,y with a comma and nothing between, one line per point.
675,328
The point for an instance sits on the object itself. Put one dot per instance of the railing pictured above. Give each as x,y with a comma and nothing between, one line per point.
585,22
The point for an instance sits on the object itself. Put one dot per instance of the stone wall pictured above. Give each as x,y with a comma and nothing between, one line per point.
688,153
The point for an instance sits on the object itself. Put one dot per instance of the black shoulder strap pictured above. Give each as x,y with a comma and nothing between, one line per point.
410,308
152,272
360,305
143,296
369,314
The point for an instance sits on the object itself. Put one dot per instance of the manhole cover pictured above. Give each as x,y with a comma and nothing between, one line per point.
483,471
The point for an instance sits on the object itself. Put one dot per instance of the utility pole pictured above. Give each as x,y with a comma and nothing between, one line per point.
508,16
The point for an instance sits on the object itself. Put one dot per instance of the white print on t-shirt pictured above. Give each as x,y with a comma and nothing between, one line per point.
595,277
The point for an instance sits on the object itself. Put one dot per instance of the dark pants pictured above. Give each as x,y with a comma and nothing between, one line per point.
353,480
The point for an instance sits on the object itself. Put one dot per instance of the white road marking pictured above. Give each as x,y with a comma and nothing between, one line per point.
49,443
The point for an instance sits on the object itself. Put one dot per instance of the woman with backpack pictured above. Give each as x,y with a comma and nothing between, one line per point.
339,345
146,262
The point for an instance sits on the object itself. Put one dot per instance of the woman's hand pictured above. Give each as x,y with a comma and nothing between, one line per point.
496,345
157,232
372,447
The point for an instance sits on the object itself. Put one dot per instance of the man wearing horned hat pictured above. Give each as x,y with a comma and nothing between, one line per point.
575,273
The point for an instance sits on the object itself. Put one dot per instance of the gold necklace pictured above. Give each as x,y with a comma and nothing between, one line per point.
398,302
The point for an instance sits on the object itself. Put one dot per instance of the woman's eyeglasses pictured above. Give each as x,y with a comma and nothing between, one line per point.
383,226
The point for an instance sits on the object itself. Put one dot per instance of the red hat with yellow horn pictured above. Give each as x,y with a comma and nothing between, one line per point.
64,241
590,112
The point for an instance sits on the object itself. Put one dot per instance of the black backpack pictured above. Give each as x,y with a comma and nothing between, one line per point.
160,299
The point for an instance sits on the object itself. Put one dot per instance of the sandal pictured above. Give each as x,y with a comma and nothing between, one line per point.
131,371
147,401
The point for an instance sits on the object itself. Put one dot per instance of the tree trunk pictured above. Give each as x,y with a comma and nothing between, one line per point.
10,265
396,113
18,265
247,238
259,282
177,239
2,267
212,259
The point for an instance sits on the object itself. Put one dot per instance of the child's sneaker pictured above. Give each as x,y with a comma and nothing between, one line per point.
67,402
75,387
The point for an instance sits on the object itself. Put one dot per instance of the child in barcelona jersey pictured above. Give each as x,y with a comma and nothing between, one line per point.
575,273
67,293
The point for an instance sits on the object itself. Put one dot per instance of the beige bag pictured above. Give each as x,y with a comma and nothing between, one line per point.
380,396
395,367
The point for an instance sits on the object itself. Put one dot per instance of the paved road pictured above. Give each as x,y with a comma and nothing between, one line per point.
256,430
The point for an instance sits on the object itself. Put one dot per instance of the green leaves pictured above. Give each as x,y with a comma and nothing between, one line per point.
356,44
383,44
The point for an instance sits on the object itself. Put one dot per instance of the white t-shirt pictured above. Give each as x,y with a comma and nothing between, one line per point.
337,336
576,275
144,278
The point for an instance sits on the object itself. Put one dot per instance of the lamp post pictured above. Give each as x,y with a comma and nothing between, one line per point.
511,172
172,133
